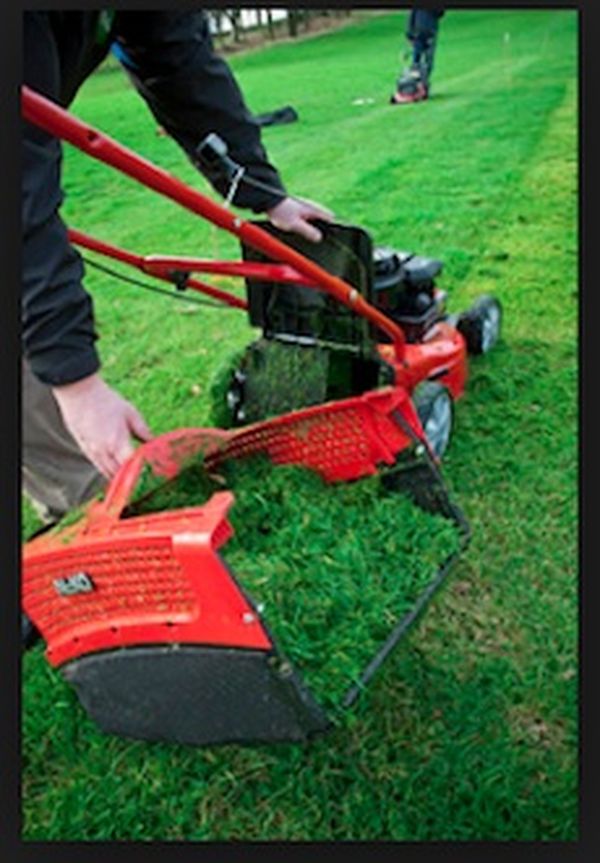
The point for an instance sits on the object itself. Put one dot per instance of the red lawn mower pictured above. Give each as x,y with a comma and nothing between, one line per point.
141,614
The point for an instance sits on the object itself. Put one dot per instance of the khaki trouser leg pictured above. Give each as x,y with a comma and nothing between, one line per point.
55,474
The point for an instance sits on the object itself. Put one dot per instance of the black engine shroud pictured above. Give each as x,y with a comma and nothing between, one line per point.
315,349
404,289
401,284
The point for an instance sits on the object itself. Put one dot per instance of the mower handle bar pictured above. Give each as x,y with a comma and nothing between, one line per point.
145,263
58,122
168,267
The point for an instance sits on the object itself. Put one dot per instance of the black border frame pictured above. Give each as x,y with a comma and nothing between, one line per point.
10,818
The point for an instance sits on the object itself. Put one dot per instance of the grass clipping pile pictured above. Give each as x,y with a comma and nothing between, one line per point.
331,567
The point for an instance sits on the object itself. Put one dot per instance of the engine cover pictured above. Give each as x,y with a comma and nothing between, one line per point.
404,289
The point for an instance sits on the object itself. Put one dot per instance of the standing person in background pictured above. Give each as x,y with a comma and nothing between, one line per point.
77,430
421,32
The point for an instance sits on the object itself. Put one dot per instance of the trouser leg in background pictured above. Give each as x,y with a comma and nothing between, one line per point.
422,32
56,476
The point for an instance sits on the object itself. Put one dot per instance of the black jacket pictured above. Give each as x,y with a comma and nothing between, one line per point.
191,92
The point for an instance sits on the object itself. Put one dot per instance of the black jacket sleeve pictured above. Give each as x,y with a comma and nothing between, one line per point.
57,315
191,92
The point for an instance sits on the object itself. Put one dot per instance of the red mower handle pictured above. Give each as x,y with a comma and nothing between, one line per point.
56,121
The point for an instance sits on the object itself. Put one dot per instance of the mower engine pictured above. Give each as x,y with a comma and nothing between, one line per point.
404,289
312,348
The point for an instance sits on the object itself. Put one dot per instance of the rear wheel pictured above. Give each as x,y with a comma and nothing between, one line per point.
481,325
435,410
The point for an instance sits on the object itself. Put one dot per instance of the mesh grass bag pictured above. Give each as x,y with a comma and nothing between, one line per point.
332,568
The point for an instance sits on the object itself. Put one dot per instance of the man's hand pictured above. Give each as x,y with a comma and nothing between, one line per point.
101,421
293,214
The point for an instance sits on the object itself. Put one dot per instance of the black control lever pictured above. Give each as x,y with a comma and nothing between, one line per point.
213,157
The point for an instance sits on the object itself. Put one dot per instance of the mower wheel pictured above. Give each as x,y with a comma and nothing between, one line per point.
227,393
435,410
481,324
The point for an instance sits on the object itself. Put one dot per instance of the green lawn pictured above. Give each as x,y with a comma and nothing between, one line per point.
470,729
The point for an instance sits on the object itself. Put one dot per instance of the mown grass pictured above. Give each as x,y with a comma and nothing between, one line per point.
333,568
470,729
